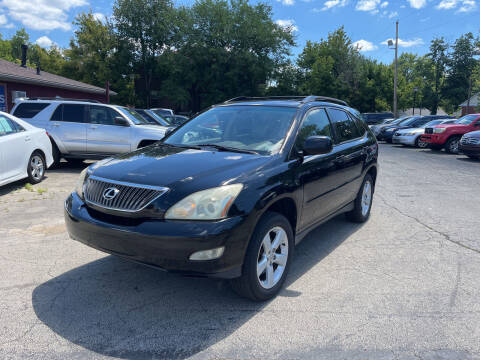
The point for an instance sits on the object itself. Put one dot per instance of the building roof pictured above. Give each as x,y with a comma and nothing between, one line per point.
473,100
10,71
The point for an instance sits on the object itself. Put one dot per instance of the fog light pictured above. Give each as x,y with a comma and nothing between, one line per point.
207,254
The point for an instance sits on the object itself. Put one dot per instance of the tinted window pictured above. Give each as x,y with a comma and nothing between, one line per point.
73,113
58,114
345,128
315,124
7,126
102,115
29,110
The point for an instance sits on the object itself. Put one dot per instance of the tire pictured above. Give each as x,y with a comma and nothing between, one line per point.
420,144
435,148
266,285
451,146
363,201
36,167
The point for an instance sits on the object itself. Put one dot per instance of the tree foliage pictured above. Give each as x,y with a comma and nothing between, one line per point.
189,57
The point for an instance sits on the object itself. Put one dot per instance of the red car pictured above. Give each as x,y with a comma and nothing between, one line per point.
448,136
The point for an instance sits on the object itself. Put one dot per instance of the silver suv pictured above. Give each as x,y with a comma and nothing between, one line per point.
88,130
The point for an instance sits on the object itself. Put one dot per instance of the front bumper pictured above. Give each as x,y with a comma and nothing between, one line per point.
434,139
469,149
405,140
161,243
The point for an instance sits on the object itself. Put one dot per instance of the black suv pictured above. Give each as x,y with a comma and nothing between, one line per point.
231,192
377,118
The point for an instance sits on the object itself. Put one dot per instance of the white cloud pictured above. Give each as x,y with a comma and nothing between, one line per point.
417,4
44,42
364,45
367,5
406,43
393,14
384,4
99,16
287,24
41,14
463,5
4,22
287,2
333,4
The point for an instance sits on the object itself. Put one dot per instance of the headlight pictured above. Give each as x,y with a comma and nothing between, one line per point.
409,134
211,204
438,130
80,181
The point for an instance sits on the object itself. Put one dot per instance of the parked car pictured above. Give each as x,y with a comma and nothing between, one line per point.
177,120
377,118
85,130
153,118
412,136
470,144
412,122
448,136
163,112
25,151
376,129
230,200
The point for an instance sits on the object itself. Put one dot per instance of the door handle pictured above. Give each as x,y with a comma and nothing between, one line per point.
27,138
55,124
93,127
340,159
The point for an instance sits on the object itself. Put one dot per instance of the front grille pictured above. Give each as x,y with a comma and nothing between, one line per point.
470,141
429,131
128,197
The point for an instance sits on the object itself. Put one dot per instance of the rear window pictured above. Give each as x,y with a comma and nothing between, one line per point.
29,110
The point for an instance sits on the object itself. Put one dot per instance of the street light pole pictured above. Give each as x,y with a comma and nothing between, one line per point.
395,76
395,79
415,89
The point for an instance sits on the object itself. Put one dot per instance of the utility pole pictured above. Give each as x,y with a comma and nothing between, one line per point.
395,78
395,110
469,94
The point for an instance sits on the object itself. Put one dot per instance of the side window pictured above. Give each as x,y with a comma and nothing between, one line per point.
315,124
361,126
58,114
7,126
345,128
101,115
29,110
73,113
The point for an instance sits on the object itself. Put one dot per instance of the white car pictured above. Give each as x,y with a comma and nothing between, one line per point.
412,136
25,151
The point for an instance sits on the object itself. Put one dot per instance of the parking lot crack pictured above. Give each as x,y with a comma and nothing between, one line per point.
441,233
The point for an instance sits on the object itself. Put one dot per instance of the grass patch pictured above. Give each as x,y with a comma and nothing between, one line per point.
29,187
41,191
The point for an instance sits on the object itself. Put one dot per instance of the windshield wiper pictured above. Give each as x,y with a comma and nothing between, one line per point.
226,148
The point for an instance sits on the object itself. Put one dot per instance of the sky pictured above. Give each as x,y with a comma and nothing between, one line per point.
370,23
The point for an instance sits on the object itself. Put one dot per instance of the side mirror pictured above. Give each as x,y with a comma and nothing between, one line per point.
478,123
120,121
169,130
315,145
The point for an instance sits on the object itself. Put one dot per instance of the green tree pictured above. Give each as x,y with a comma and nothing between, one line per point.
438,62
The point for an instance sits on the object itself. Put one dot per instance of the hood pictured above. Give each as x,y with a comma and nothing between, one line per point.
473,134
151,129
451,126
175,167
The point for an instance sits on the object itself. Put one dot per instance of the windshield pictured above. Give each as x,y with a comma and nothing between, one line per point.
466,120
133,116
399,120
408,121
256,128
158,118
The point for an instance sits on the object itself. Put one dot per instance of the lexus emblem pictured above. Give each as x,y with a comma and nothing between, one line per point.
110,193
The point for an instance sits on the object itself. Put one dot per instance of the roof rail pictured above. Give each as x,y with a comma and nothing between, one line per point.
65,99
323,98
240,98
303,99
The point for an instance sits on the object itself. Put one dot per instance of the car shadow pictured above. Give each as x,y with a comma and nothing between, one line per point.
117,308
465,158
65,167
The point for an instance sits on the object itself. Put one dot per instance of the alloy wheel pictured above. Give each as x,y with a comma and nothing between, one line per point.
272,257
454,147
366,197
37,167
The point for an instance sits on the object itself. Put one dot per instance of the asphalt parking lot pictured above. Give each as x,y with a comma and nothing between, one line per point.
405,285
